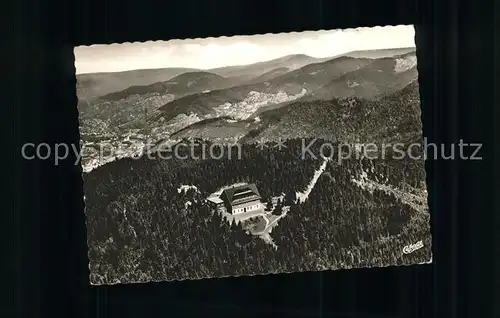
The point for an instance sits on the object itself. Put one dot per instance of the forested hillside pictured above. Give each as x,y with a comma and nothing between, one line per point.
141,228
389,119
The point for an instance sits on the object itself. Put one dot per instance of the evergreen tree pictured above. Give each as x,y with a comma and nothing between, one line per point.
269,205
278,209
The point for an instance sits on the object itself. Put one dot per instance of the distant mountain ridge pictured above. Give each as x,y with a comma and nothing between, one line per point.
377,54
94,85
382,76
181,85
291,62
269,75
335,78
286,87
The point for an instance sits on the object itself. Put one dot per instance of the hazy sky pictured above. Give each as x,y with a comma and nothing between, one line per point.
237,50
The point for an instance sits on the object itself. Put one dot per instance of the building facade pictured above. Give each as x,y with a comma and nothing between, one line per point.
242,199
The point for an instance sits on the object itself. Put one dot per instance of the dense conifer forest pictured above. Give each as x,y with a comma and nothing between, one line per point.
140,227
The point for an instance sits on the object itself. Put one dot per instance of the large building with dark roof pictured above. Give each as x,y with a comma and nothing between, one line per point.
242,199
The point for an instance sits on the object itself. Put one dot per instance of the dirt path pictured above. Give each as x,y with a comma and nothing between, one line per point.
417,202
302,196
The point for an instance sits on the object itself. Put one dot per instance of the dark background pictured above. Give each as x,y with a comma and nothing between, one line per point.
455,42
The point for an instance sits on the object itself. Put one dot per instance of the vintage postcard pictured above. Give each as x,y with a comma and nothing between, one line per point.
252,155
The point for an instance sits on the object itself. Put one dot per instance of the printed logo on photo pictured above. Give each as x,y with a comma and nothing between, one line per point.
408,249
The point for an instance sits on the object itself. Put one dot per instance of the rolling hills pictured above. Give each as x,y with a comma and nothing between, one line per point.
181,85
284,88
130,108
269,75
281,102
95,85
123,100
383,76
389,118
336,78
377,54
250,71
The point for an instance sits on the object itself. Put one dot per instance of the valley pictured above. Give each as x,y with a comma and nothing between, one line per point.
291,99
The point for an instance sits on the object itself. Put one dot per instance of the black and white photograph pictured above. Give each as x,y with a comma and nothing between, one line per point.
252,155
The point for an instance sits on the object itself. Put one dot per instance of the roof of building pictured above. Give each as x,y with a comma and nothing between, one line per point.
241,194
215,199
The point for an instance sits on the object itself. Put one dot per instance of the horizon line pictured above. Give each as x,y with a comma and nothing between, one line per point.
236,65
